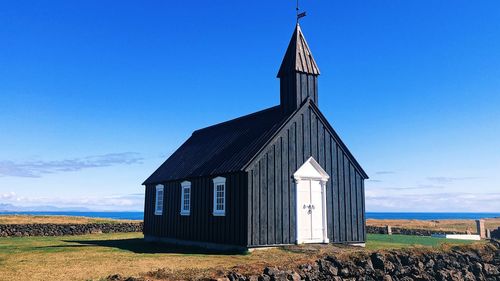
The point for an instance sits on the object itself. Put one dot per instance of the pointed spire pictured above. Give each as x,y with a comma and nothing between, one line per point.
298,56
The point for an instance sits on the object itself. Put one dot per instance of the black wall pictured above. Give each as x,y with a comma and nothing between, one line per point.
200,225
271,194
295,88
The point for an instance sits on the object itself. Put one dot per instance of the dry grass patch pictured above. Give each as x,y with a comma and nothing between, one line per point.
99,255
92,257
30,219
441,225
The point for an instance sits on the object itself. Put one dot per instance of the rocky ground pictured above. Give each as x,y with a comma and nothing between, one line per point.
476,262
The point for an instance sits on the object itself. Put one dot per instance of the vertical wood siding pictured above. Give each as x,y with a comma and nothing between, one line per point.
200,225
296,88
271,191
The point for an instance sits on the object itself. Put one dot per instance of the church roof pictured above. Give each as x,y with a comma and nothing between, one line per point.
221,148
230,146
298,56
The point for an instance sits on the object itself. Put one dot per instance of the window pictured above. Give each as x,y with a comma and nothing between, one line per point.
159,200
185,198
219,196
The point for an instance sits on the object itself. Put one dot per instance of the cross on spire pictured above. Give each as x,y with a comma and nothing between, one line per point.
299,15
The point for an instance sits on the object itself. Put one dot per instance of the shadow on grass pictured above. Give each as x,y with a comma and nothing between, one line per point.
139,246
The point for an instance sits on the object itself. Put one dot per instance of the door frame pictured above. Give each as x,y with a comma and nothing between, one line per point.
317,173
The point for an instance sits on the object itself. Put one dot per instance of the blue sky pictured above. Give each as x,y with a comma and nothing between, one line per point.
95,95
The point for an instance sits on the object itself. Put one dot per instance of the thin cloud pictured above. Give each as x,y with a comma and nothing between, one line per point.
35,169
121,202
420,187
372,180
433,202
8,196
450,179
385,172
417,187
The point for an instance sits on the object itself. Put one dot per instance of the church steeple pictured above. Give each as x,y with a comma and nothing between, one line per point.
298,74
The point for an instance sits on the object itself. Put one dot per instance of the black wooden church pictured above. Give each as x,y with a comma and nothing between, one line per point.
278,176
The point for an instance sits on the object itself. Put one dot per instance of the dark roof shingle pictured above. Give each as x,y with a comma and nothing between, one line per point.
298,56
221,148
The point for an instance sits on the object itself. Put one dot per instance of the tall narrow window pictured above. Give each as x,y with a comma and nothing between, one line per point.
185,198
159,200
219,196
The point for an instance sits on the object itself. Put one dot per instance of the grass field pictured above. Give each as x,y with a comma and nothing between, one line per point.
29,219
382,241
441,225
91,257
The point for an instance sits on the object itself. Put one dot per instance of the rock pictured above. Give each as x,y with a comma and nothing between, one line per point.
407,260
389,266
455,275
133,279
114,277
387,278
477,269
472,256
271,271
306,267
264,277
333,270
233,276
344,272
468,276
294,276
491,270
420,265
253,278
403,270
442,275
378,261
430,264
275,273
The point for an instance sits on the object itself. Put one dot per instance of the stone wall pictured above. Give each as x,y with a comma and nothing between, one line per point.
459,263
18,230
405,231
495,233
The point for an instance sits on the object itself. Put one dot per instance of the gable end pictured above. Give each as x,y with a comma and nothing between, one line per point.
306,106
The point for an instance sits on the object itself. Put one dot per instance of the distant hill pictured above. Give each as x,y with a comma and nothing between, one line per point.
13,208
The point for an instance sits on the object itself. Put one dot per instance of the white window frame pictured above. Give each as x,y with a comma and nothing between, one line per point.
159,203
217,182
185,185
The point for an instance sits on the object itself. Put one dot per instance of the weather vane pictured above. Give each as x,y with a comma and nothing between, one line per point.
299,15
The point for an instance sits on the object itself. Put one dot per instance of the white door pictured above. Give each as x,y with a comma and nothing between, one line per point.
310,180
317,211
305,218
310,221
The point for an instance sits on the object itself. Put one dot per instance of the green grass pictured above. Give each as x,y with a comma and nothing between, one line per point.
98,255
383,241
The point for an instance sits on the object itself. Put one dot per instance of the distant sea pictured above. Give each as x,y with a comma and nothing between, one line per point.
370,215
106,215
